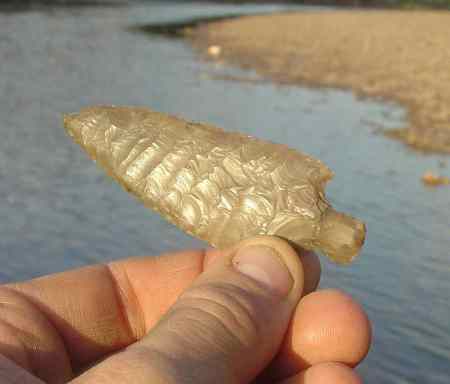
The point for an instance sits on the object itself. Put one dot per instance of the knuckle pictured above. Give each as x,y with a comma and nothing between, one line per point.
225,310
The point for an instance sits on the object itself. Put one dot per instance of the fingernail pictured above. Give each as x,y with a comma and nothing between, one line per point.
263,264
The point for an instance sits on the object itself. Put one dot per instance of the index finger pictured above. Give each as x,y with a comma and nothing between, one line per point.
100,309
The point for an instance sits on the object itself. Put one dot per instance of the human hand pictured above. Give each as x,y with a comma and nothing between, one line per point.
161,320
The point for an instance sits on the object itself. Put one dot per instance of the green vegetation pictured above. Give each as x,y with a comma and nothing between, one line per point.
388,3
438,4
426,3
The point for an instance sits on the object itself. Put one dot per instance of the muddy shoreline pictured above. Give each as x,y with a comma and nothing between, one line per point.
399,56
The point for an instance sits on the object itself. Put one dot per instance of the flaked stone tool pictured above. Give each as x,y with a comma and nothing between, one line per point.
218,186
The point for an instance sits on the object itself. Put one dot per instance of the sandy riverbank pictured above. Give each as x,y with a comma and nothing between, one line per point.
402,56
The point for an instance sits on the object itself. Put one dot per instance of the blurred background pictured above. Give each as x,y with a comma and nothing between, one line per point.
59,211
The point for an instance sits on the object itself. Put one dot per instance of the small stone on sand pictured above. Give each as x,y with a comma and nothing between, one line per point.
214,50
431,179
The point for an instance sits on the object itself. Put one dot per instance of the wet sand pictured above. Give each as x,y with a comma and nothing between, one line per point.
401,56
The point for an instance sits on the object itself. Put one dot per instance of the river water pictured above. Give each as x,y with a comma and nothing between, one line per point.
59,211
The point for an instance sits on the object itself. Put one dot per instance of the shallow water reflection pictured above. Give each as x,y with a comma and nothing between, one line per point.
60,211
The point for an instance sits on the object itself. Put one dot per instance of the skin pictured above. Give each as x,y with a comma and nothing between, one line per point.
112,323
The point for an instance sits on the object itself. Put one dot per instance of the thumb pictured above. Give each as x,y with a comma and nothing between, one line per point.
224,329
230,323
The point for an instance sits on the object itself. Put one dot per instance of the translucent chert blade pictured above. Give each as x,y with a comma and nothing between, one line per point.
218,186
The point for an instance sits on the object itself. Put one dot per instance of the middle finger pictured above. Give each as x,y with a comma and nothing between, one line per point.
327,326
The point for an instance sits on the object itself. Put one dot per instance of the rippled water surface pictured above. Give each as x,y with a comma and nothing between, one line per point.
59,211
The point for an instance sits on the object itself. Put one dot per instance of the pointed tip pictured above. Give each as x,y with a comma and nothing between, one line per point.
69,123
66,119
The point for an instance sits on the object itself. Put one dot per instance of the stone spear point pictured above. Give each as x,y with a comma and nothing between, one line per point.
218,186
